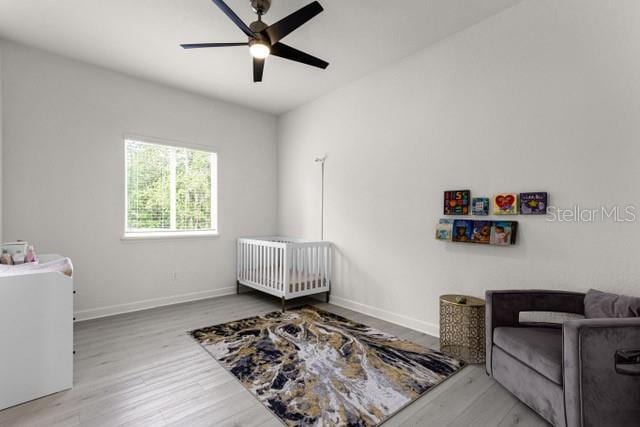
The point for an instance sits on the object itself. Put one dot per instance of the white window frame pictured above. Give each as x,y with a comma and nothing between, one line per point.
160,234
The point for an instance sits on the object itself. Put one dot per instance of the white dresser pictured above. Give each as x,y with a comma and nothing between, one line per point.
36,335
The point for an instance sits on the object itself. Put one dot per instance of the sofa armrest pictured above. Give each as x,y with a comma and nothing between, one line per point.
602,371
503,309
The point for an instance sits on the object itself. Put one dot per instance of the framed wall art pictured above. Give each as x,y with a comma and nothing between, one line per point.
457,202
533,203
505,204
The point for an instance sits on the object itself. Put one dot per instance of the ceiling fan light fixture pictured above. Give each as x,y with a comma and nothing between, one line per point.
259,49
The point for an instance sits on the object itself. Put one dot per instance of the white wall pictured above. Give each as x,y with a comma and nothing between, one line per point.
63,149
542,97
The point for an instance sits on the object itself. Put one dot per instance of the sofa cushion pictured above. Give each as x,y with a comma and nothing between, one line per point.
546,318
605,305
535,390
539,348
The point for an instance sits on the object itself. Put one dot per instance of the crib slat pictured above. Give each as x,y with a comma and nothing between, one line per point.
280,268
242,260
309,275
253,263
291,270
322,264
305,264
317,272
263,266
326,266
299,263
256,263
260,264
311,268
270,266
316,263
305,271
273,265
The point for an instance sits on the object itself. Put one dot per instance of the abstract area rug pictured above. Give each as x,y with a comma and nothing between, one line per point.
314,368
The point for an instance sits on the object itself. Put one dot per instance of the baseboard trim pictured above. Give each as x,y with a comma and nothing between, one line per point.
112,310
398,319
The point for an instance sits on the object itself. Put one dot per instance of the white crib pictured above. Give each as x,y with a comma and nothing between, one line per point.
284,267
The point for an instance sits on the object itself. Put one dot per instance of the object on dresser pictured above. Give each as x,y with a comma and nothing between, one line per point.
47,263
13,252
31,255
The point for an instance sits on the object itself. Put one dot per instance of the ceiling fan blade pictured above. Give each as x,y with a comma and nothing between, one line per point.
200,45
287,52
285,26
232,15
258,69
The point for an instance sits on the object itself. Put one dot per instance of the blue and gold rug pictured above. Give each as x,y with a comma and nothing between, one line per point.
311,367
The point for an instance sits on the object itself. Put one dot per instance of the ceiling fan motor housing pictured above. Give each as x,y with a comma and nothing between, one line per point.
257,27
260,6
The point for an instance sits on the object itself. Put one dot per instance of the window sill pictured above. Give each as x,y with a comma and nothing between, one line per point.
169,235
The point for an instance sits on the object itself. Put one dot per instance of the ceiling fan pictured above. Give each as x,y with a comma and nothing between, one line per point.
264,40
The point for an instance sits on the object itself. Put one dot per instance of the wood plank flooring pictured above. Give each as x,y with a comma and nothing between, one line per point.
142,369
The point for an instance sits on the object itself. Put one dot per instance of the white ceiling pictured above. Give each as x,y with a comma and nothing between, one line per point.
141,38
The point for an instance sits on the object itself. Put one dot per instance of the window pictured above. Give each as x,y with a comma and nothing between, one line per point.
169,190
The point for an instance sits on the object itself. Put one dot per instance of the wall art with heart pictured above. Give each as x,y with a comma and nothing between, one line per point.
505,204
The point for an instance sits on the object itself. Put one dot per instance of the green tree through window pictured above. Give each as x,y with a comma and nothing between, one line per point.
169,188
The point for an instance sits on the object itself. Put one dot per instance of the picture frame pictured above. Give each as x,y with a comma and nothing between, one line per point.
481,232
457,202
17,251
480,206
444,230
535,203
503,233
462,231
505,204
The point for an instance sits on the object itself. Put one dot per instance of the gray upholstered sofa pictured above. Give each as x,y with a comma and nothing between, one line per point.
579,373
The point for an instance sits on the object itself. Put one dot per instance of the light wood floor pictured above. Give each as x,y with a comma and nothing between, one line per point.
142,369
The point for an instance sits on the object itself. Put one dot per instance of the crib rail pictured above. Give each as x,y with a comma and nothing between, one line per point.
282,267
